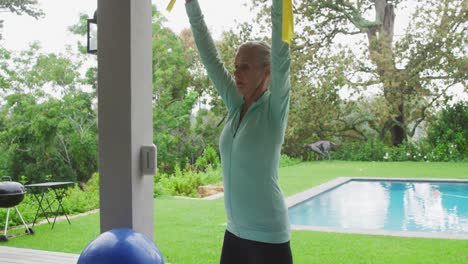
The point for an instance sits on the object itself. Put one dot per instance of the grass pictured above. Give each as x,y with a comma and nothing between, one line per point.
301,177
191,231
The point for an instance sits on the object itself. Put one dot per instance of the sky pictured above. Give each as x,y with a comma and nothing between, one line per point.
53,35
52,30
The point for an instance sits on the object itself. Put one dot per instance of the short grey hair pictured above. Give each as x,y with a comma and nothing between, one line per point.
263,51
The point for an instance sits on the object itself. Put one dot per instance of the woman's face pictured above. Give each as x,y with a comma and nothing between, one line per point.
249,74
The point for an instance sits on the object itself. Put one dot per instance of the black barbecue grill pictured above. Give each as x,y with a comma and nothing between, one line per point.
11,194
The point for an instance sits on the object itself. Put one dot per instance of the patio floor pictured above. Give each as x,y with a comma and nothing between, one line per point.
11,255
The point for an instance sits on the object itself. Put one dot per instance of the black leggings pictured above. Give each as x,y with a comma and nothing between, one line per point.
237,250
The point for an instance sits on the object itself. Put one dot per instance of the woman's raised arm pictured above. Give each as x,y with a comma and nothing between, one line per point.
280,63
218,74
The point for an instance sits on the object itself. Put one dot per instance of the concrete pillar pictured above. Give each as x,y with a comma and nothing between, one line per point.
125,113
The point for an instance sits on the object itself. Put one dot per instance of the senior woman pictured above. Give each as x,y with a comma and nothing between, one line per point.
257,100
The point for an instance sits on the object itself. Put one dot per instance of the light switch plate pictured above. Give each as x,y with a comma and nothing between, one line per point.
148,160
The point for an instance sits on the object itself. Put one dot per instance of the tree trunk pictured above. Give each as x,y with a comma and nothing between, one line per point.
381,54
398,132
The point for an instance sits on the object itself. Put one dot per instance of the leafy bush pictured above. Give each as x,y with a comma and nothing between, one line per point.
286,161
185,182
408,151
371,150
448,135
374,150
208,158
79,201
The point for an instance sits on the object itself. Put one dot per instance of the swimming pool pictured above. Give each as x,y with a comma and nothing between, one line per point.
402,207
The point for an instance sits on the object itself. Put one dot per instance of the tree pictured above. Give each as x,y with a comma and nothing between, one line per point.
80,29
20,7
48,125
175,91
54,139
31,71
412,73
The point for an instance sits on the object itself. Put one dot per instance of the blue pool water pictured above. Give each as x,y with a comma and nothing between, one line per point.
388,205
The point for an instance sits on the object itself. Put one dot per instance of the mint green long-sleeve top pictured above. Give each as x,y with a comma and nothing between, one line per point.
250,151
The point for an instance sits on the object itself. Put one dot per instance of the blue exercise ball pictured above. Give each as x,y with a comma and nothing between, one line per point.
121,246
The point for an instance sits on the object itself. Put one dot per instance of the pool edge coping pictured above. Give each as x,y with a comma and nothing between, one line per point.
324,187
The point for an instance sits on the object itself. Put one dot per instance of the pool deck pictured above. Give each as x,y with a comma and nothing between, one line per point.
310,193
11,255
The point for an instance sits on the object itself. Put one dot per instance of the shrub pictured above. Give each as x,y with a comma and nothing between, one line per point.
182,183
371,150
448,135
185,182
408,151
208,158
79,201
285,161
374,150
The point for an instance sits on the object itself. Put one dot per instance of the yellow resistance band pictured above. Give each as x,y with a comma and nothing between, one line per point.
288,21
170,6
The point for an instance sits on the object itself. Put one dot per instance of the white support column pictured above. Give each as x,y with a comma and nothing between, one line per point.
125,113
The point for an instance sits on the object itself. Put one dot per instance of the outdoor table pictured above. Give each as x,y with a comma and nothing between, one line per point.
39,191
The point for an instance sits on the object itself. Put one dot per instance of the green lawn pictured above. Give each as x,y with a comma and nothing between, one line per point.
191,231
